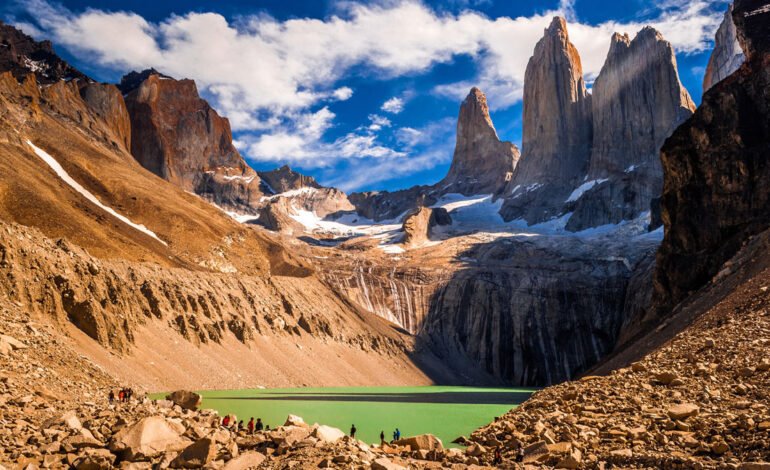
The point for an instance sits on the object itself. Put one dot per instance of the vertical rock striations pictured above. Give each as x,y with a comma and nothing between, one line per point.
637,102
727,55
715,193
481,162
556,140
179,137
556,137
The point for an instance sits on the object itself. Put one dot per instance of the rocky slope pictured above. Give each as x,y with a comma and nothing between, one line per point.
100,248
715,165
179,137
727,55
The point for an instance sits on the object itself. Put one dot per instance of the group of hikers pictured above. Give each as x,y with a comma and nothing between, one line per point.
124,395
232,423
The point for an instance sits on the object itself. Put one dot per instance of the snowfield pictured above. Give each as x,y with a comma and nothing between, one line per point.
59,170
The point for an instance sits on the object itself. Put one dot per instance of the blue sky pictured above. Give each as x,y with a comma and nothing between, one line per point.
361,95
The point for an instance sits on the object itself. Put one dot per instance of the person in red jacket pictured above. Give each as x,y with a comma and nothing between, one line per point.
226,422
251,426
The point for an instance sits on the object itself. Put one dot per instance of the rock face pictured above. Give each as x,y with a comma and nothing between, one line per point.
285,179
715,194
179,137
556,137
481,162
107,102
595,156
637,102
556,141
727,55
534,313
22,55
419,224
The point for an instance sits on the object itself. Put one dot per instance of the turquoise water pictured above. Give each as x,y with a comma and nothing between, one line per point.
447,412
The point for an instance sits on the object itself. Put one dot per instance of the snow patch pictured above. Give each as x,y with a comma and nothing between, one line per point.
578,192
245,179
59,170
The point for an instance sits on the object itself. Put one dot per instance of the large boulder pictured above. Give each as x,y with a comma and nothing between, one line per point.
149,437
245,461
185,399
327,433
196,455
422,442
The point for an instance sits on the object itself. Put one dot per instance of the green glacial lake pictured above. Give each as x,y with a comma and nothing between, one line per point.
447,412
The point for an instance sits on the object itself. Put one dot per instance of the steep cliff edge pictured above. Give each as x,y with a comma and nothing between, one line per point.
637,102
727,55
179,137
715,167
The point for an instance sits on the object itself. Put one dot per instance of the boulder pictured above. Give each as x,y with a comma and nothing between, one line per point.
196,455
422,442
327,433
385,464
149,437
683,411
185,399
293,420
94,459
245,461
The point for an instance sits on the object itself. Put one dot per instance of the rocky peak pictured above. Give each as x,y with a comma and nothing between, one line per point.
178,136
727,55
22,55
637,102
481,162
557,112
285,179
715,194
752,22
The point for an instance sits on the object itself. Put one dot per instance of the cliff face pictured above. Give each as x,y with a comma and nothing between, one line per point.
637,102
534,313
179,137
481,164
556,141
715,194
107,102
556,137
727,55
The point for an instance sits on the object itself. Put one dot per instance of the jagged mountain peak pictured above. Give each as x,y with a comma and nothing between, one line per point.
285,179
481,162
22,55
134,79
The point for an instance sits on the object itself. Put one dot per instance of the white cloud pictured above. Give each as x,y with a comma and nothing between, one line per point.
378,122
343,93
394,105
269,76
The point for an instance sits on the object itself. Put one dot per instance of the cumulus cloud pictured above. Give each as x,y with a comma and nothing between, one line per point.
394,105
270,76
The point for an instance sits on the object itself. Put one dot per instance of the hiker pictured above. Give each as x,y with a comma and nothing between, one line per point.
267,428
240,425
382,437
398,434
353,431
226,422
498,457
261,426
251,425
121,395
394,437
111,397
